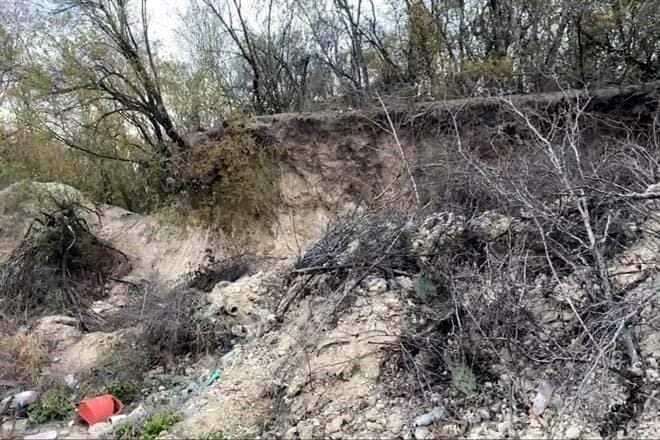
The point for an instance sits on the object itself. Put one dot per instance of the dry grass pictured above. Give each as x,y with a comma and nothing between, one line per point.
232,184
22,358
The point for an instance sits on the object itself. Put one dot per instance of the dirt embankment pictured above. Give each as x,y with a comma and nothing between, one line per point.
391,325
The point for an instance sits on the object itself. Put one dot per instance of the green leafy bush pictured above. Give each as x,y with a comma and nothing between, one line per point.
149,430
126,391
54,405
463,378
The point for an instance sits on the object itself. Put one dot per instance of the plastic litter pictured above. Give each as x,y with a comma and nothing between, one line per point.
99,409
213,377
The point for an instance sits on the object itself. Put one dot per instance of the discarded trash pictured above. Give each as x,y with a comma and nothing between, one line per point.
213,378
118,418
99,409
19,402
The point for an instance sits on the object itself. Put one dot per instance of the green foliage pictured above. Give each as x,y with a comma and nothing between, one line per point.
463,378
425,289
149,430
126,391
158,423
34,155
54,405
127,431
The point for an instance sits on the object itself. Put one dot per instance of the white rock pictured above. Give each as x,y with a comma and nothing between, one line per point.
423,433
436,414
573,431
137,414
100,430
337,423
291,433
395,423
375,285
47,435
405,283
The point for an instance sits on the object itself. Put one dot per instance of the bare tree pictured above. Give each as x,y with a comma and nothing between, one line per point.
121,70
276,59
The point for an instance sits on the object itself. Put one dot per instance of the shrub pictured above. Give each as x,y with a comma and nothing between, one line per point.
22,357
229,183
54,405
126,391
150,429
60,265
176,324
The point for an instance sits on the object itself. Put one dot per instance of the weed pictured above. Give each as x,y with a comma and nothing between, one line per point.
158,423
127,392
54,405
22,357
150,429
462,377
178,325
127,431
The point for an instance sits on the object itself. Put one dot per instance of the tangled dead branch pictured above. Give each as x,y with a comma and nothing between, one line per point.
60,265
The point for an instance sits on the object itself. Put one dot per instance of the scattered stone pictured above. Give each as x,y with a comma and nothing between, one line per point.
137,414
423,433
372,415
306,430
573,431
47,435
101,430
374,426
405,283
484,413
337,423
375,285
451,430
395,423
25,398
16,426
291,433
437,413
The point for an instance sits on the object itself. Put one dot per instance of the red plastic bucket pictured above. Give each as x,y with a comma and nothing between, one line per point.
99,409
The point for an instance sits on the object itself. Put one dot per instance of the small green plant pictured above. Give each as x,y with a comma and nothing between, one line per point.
425,289
127,431
158,423
126,391
54,405
462,377
149,430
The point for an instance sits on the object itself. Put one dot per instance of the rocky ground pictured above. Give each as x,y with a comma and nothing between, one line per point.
314,357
